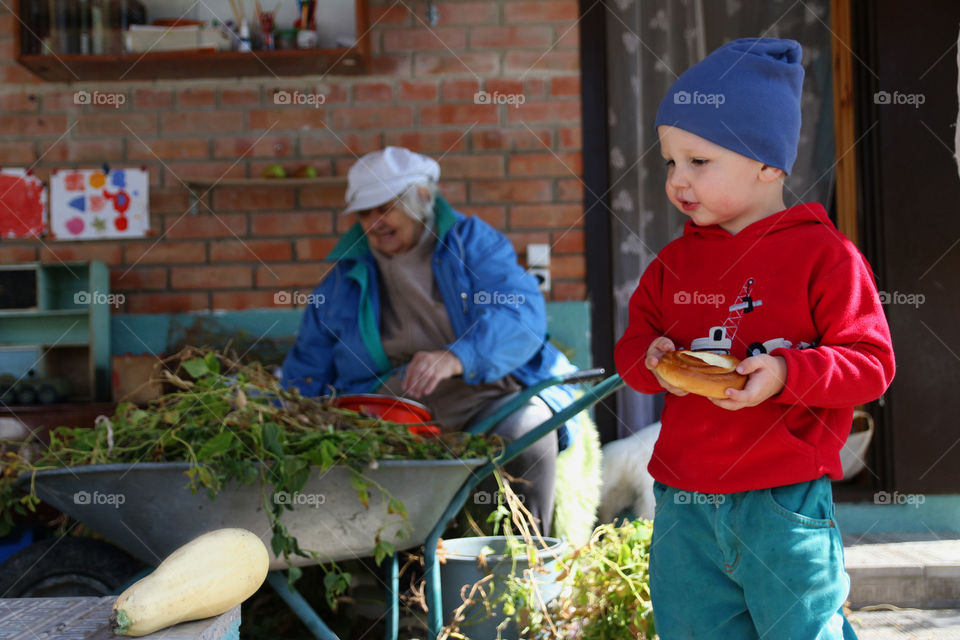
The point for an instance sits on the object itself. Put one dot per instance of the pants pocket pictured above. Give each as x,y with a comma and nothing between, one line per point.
809,504
659,492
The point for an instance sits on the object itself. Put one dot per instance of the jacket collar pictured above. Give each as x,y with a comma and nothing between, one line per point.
354,243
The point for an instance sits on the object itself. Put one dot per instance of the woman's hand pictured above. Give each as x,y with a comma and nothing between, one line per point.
655,351
767,374
427,369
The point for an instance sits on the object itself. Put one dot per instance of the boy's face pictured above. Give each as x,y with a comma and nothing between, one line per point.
714,185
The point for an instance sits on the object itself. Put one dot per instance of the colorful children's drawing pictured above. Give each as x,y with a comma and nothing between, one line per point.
23,204
99,203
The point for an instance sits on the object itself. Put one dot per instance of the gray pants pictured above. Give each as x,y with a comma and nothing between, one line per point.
536,465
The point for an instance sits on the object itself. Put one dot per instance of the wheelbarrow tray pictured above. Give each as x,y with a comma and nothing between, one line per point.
148,509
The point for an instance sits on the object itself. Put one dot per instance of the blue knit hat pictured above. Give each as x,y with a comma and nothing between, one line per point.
745,96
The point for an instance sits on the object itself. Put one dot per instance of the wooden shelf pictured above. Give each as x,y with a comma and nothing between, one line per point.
195,64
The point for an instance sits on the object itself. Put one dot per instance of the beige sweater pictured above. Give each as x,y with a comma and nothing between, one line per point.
414,318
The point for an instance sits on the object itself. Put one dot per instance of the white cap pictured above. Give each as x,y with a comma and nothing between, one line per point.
380,176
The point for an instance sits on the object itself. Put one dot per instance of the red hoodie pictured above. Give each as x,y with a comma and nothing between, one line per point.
790,276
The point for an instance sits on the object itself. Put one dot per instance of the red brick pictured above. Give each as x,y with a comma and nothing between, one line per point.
177,173
238,300
7,21
472,166
570,190
510,139
152,99
396,64
569,241
440,114
201,121
17,153
503,86
323,196
545,216
460,90
207,225
418,91
373,92
523,62
17,74
455,191
372,117
42,125
253,146
428,141
542,11
300,118
552,112
123,279
495,216
167,148
395,14
332,143
59,101
571,137
511,37
568,37
535,88
315,248
421,38
165,252
566,290
107,252
511,191
568,266
196,97
293,223
546,164
240,97
13,255
166,302
473,63
210,277
291,275
248,199
69,150
250,251
175,200
107,124
467,13
22,101
565,86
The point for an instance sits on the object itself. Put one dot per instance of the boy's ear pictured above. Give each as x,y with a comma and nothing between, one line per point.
769,174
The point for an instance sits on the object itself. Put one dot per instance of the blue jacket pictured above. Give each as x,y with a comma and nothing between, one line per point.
497,313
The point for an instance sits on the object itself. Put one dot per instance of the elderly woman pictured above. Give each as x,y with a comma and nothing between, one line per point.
427,303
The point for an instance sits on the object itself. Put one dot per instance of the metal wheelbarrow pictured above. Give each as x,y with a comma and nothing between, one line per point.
125,502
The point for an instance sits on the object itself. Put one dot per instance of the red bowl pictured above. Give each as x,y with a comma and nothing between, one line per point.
390,408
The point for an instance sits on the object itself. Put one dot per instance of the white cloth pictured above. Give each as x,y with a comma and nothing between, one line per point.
380,176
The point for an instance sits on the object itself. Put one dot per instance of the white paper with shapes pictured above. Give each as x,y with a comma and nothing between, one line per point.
88,204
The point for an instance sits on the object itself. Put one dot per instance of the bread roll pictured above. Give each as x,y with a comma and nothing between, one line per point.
701,372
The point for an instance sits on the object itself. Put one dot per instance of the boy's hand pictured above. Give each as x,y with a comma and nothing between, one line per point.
767,377
655,351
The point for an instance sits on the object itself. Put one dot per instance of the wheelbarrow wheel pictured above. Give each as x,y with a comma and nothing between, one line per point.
65,567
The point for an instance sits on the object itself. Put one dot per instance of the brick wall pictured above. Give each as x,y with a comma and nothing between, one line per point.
516,166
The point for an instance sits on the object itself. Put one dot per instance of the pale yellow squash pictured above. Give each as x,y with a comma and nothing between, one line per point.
205,577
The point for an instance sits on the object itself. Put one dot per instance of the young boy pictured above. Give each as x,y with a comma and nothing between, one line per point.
745,544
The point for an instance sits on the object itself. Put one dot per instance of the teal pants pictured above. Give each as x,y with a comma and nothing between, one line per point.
757,564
